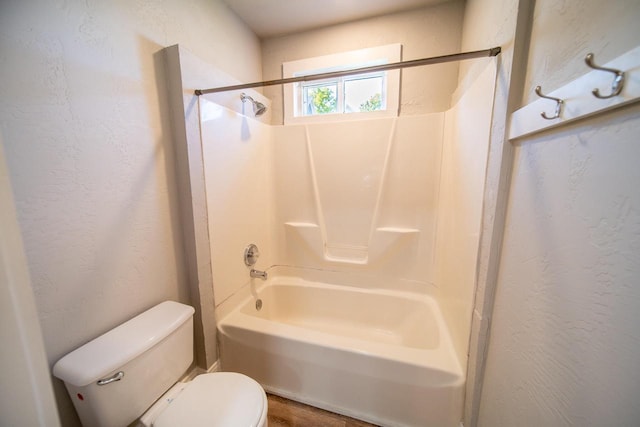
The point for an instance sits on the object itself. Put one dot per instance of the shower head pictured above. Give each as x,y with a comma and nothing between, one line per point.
258,107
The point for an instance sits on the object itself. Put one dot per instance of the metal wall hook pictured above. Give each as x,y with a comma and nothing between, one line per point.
616,85
559,104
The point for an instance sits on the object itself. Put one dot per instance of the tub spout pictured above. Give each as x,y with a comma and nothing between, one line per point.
258,274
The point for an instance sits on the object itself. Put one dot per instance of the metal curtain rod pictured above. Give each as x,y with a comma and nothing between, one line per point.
494,51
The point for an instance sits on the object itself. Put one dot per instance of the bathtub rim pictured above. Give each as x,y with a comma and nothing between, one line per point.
443,358
352,279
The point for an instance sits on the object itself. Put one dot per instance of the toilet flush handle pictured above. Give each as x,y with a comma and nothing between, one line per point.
115,377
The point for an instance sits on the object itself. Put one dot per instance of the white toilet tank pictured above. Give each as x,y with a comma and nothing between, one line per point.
148,354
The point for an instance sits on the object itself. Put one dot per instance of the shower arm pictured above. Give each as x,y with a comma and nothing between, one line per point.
385,67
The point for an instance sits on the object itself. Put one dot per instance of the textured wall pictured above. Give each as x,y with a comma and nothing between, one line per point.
85,126
563,32
564,340
426,32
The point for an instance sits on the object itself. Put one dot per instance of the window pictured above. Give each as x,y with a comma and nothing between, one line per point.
369,94
352,94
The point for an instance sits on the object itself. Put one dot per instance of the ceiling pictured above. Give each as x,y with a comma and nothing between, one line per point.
269,18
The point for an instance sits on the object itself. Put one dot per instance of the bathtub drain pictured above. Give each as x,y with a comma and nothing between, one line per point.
258,304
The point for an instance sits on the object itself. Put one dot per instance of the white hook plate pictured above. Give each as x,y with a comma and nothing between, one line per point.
579,102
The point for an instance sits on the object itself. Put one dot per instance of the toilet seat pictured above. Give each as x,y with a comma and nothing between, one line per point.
220,399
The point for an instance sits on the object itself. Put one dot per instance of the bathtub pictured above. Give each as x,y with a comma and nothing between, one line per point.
380,356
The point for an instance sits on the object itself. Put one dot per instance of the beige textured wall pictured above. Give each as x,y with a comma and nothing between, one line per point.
85,126
426,32
564,340
564,32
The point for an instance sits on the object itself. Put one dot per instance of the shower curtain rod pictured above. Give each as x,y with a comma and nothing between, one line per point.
494,51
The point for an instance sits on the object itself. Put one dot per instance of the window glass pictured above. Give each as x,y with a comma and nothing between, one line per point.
319,99
364,94
350,94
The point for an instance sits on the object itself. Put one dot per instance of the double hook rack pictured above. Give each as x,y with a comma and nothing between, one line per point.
616,87
578,99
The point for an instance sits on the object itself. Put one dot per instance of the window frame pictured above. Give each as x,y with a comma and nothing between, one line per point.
293,92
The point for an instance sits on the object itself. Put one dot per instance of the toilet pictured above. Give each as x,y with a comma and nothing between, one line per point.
131,374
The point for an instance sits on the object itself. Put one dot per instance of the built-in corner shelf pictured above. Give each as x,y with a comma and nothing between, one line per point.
578,100
310,234
383,241
387,239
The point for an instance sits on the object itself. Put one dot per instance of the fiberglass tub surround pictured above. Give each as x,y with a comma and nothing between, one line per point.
369,232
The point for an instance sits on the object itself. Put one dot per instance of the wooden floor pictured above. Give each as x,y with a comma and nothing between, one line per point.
287,413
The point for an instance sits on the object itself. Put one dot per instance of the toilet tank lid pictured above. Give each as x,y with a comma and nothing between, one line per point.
115,348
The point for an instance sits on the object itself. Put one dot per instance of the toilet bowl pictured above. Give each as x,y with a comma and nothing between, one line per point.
131,373
220,399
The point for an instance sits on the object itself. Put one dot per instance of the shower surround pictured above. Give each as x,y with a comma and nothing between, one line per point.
345,215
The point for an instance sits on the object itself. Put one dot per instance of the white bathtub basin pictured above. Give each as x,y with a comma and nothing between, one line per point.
380,356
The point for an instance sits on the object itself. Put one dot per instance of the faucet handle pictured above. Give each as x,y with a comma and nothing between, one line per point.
251,254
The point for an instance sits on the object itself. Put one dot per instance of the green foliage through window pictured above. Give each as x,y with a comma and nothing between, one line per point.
324,100
372,104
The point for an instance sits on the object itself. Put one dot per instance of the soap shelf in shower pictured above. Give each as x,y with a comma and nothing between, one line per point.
310,234
579,102
383,240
